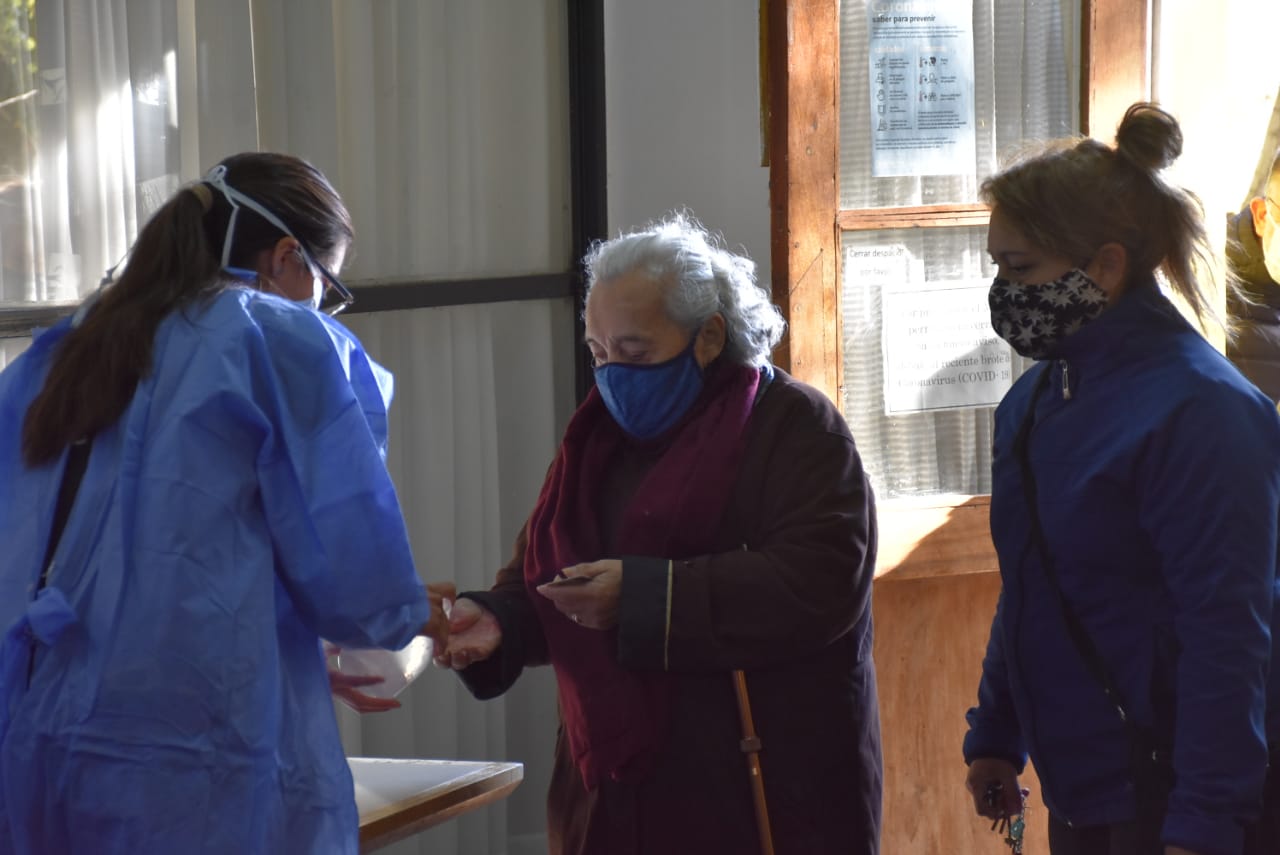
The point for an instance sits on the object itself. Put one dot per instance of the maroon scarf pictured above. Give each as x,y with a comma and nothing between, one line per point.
616,718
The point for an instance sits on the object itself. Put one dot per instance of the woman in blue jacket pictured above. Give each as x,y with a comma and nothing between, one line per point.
192,493
1134,508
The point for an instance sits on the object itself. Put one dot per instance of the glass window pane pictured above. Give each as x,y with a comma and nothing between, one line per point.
939,451
1022,91
88,142
443,126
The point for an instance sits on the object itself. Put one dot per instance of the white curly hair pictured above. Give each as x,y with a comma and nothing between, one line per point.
702,278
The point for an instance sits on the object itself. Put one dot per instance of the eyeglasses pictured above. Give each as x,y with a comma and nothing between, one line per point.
336,298
1271,201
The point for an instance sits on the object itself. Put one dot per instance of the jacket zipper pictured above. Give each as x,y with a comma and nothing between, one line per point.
1032,738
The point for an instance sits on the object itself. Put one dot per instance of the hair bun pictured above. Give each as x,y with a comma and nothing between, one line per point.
1149,137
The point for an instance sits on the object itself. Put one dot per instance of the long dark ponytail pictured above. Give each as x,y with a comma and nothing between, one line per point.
175,261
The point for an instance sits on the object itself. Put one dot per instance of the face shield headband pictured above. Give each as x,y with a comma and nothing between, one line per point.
217,179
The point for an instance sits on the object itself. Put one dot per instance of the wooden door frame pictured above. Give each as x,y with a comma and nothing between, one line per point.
803,73
801,70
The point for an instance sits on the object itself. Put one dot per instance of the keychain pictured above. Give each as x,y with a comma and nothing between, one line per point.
1010,827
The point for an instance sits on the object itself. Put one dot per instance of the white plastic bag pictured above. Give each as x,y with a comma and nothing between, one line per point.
397,668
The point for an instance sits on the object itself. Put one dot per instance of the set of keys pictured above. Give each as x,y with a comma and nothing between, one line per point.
1010,827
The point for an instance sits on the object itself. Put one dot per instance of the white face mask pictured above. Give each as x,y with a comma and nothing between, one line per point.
266,284
317,289
317,294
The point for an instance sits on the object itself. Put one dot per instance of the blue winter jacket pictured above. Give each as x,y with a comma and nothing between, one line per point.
1157,468
239,510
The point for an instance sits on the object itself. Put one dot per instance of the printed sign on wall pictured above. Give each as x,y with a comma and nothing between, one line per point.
922,87
940,352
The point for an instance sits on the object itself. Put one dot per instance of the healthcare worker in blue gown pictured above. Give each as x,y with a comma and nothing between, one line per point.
162,682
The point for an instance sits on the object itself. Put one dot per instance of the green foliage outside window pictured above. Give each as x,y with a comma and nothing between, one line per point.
17,88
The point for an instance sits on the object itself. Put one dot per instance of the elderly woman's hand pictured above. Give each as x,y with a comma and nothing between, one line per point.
474,634
587,593
441,596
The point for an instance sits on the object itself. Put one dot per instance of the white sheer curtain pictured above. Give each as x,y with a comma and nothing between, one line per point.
443,124
9,349
90,138
106,106
481,396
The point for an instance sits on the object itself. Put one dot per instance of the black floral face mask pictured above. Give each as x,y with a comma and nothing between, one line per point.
1034,318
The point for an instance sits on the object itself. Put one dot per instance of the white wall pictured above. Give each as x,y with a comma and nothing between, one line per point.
683,103
1225,100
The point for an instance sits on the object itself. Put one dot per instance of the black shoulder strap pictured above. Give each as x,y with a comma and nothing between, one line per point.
72,475
1079,635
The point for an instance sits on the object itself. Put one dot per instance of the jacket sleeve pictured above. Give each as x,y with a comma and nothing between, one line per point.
523,643
342,550
799,582
1210,502
993,723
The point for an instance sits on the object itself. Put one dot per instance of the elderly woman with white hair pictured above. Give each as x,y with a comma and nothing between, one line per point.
706,515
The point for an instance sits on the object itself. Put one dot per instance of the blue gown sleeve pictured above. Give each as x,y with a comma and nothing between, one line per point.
993,723
342,549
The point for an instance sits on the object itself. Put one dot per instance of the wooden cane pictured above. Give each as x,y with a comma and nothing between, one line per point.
750,745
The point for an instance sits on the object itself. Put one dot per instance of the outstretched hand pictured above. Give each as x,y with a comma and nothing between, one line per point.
474,635
441,596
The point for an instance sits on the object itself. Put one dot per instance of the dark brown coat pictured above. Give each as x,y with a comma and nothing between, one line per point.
788,599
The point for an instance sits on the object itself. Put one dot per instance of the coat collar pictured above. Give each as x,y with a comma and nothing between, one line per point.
1126,327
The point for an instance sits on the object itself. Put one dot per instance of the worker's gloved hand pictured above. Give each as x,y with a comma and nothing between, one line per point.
346,688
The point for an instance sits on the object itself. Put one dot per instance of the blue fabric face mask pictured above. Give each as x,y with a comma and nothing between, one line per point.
647,400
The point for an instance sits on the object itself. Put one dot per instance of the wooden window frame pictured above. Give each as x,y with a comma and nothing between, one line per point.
801,70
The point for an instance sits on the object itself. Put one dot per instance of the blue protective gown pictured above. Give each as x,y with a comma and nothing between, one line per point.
238,511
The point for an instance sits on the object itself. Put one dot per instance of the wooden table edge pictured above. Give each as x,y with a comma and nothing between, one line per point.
403,819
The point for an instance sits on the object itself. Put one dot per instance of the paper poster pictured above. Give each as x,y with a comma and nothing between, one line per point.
922,87
940,352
